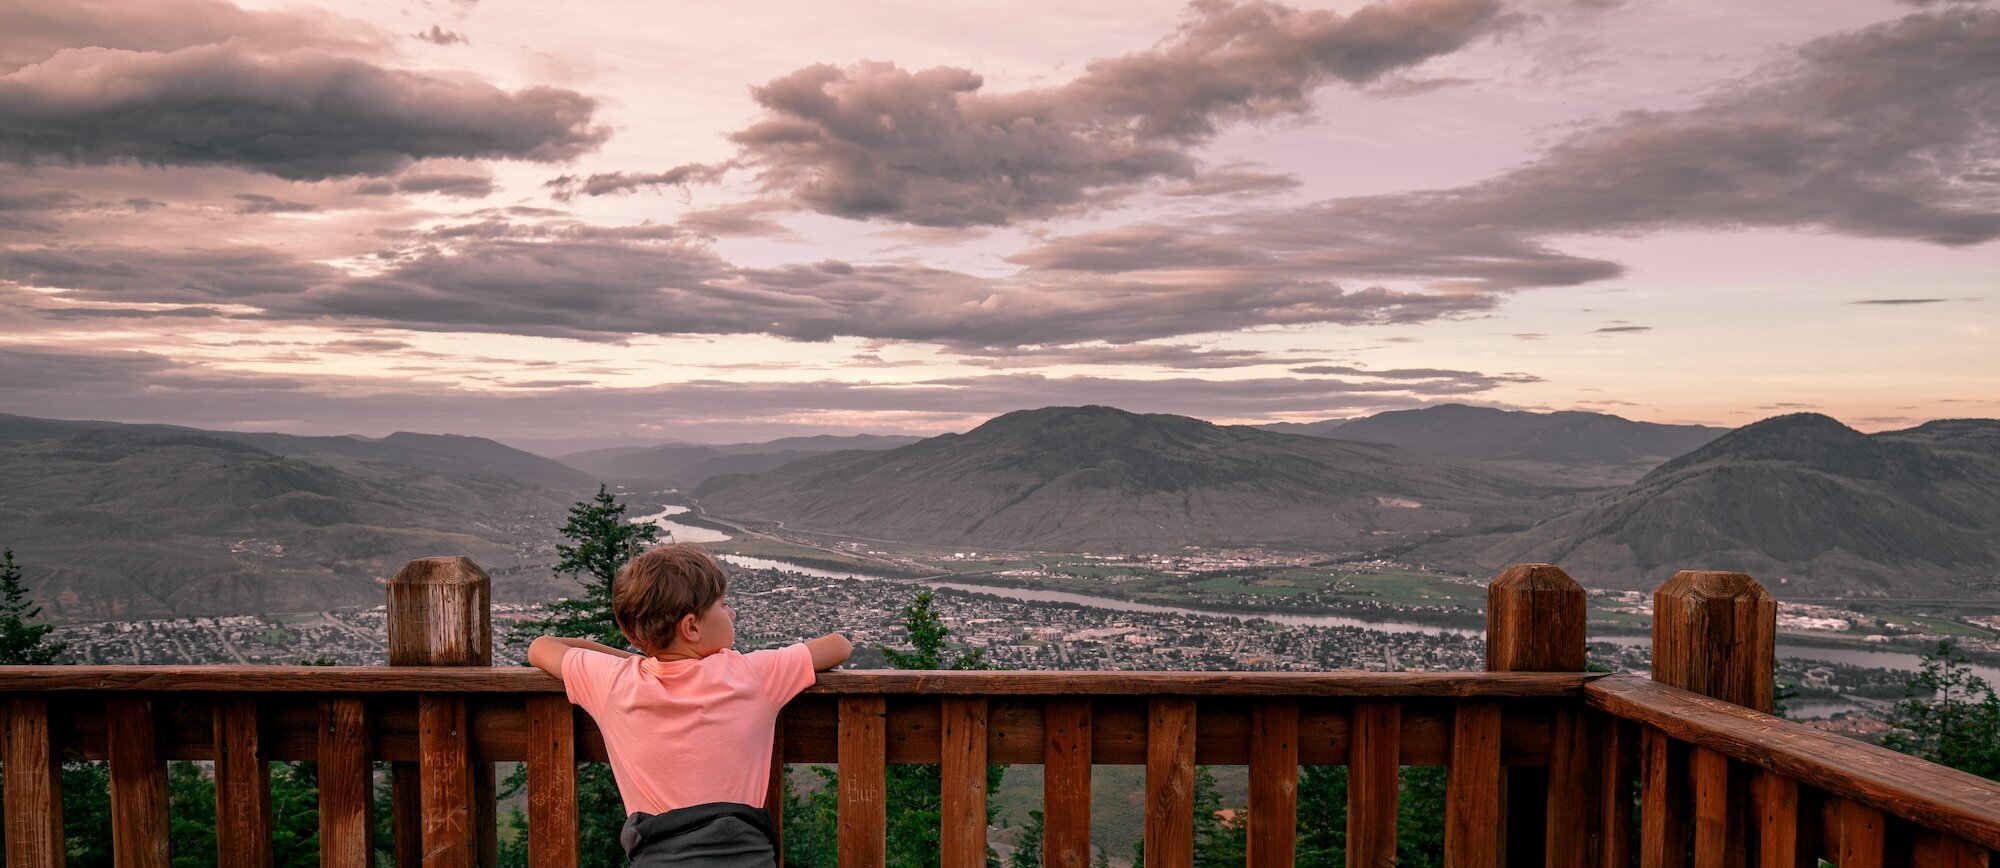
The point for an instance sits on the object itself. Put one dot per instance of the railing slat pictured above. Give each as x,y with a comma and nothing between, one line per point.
962,749
1572,835
1472,788
33,786
1937,850
1169,836
1788,822
138,785
346,786
1863,836
445,771
1066,756
1617,748
406,798
242,786
1663,811
1717,831
1274,783
552,816
863,814
1373,784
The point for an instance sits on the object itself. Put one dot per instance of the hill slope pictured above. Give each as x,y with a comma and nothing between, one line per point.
1096,478
117,521
1798,500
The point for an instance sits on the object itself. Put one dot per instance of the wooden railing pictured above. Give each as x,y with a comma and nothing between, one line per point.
1543,765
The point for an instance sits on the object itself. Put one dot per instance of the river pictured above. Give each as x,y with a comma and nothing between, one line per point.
1896,660
682,532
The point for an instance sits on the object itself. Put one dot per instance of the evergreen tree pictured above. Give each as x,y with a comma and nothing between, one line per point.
21,643
600,541
1322,819
190,816
1218,842
1950,716
1420,818
1028,845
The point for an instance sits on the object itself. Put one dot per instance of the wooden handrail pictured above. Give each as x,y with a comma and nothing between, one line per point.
519,680
1928,794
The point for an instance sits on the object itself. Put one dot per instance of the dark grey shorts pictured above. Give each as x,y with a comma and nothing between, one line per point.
719,835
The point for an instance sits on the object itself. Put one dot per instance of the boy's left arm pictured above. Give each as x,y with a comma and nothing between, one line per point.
546,652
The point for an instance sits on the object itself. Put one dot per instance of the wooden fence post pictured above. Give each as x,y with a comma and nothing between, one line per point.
1535,616
439,615
1714,633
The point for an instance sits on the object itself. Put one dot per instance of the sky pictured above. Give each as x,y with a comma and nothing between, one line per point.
596,223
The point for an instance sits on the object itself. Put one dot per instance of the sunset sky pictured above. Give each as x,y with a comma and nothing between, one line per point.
736,221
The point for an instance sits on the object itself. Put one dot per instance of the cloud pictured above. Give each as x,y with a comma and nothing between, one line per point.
1901,301
568,187
258,203
1174,356
1233,182
234,275
32,31
439,36
454,185
934,148
300,115
1624,329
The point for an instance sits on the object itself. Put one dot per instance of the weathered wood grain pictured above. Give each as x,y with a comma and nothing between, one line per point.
1927,794
1535,615
346,785
1719,839
1574,833
1665,807
406,815
33,786
138,785
963,771
552,812
1274,783
863,822
1373,784
1862,836
242,786
1066,761
1938,850
445,772
1472,788
1715,633
774,792
1169,835
1617,743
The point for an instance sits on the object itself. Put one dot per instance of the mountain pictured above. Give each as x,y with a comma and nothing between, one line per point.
133,521
1600,447
1101,479
438,453
689,464
1323,428
1798,501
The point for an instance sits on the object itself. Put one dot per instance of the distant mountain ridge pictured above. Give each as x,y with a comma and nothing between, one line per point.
1102,479
689,464
1601,445
1799,500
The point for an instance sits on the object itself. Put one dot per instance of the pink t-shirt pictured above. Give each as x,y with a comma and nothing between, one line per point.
687,732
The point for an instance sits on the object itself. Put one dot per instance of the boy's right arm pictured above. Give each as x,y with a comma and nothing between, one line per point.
829,651
546,652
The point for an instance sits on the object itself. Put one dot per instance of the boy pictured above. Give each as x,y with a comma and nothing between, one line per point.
687,722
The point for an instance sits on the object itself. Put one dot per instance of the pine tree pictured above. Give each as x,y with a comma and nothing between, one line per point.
21,643
1950,716
1322,817
601,540
1028,845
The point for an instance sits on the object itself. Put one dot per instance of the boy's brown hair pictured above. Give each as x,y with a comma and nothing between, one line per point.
654,591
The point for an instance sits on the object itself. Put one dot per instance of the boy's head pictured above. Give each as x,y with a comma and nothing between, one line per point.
654,593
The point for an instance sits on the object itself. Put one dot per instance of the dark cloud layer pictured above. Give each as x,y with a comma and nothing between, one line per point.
32,31
300,115
933,148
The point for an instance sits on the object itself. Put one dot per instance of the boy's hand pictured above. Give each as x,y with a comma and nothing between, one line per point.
828,651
